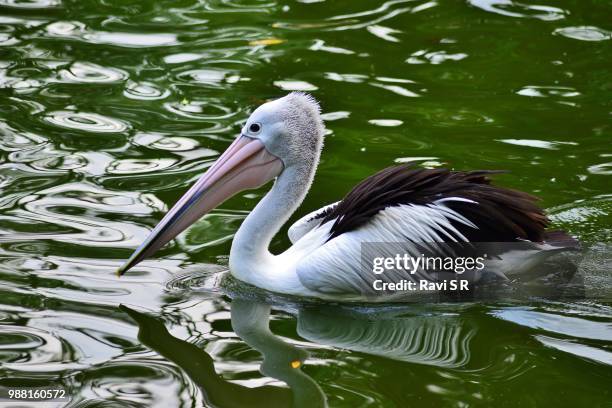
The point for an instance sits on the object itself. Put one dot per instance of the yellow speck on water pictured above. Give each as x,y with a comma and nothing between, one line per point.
267,41
296,363
185,101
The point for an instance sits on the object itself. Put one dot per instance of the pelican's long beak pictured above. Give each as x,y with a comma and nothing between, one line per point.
246,164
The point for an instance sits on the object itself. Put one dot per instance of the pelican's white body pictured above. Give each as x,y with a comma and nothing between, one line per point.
316,267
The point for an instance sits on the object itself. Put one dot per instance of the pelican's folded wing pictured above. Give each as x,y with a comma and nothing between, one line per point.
337,268
308,222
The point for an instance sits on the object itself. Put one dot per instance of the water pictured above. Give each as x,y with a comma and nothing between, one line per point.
110,110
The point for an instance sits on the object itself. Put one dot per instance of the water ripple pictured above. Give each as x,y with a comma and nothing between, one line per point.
368,18
542,144
577,349
28,346
142,381
385,122
601,168
135,166
63,162
6,39
201,277
295,85
31,4
582,217
132,39
76,212
172,143
517,9
547,91
12,140
85,72
584,33
145,91
79,31
555,323
200,110
88,122
211,77
64,28
434,57
233,6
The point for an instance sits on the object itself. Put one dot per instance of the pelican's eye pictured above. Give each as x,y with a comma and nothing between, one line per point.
255,128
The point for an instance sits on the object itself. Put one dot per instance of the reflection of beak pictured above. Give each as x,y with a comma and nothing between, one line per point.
244,165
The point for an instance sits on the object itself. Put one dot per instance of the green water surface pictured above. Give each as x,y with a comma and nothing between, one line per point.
110,110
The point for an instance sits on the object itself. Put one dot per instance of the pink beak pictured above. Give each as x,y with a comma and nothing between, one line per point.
246,164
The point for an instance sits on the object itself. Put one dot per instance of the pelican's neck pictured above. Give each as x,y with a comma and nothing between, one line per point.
249,254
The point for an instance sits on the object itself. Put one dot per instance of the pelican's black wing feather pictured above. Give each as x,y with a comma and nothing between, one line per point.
501,214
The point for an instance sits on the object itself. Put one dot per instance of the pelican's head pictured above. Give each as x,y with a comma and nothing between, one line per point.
281,135
290,128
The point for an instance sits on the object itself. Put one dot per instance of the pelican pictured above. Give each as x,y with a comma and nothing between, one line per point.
282,141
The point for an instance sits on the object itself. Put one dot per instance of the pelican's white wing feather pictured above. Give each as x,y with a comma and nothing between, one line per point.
335,268
305,224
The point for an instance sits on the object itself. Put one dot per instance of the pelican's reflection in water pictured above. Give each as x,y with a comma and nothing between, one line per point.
441,339
250,321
